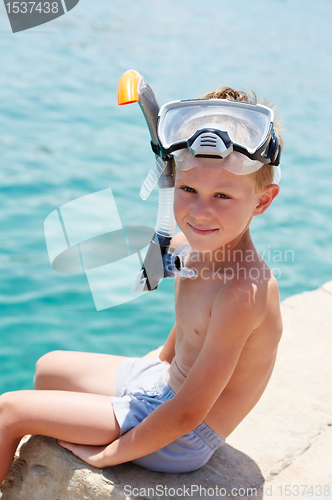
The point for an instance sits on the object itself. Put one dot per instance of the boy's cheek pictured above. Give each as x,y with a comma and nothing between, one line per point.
177,207
179,219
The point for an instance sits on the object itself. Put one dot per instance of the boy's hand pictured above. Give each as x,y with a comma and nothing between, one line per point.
92,455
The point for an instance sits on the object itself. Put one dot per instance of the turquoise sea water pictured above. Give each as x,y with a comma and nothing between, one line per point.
62,136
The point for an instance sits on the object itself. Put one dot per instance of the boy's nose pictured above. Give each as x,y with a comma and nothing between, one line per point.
201,210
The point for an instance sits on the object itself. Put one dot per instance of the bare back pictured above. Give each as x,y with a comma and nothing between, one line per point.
194,300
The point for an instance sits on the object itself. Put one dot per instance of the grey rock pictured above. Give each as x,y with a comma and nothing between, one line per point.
44,470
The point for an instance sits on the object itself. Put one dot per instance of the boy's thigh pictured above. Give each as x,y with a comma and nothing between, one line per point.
78,371
70,416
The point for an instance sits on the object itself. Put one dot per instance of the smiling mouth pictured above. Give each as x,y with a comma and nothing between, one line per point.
202,231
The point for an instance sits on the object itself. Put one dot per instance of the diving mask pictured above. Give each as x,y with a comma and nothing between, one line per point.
215,128
235,135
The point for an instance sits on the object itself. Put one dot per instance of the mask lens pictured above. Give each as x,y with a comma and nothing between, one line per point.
248,125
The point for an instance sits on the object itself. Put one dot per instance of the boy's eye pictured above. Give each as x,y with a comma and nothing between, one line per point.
223,196
188,189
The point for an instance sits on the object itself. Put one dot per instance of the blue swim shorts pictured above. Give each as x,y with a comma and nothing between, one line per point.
141,388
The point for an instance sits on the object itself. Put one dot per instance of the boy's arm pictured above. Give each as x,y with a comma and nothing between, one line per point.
168,351
232,320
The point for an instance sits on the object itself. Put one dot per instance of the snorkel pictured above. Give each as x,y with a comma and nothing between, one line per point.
158,263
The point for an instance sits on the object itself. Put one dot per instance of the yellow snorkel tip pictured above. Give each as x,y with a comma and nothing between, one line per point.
128,87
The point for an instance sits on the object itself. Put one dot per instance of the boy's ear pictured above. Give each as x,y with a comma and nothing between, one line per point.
266,197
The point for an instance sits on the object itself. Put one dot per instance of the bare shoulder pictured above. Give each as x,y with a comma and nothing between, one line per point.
254,298
177,240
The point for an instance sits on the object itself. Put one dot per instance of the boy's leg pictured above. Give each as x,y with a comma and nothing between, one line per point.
76,417
78,372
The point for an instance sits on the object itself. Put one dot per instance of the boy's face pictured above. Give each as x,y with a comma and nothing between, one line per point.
213,206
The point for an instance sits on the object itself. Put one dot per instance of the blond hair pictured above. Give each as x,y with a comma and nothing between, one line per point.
264,176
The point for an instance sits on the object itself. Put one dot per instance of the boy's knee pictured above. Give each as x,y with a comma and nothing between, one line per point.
44,369
8,408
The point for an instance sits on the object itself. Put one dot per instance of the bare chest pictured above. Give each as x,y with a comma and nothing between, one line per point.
193,302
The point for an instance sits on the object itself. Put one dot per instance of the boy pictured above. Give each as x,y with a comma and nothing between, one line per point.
171,414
